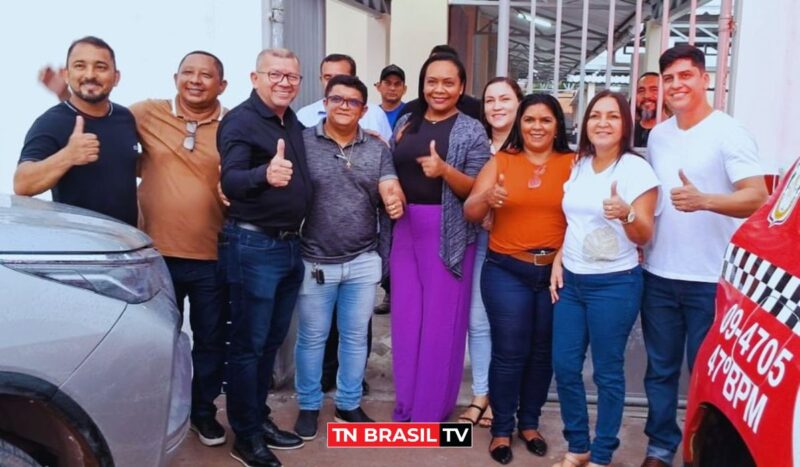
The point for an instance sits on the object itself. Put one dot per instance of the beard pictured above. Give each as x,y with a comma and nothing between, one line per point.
647,114
90,98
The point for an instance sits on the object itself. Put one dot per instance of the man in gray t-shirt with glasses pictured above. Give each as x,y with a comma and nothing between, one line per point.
352,174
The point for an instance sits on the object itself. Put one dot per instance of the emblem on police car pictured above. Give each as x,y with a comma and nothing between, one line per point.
787,201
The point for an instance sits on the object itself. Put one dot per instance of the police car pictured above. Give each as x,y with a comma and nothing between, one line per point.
744,403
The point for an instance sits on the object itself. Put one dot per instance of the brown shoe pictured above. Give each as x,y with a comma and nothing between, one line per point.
654,462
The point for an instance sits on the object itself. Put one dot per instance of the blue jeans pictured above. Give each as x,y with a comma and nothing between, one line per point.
351,286
675,313
596,309
521,317
479,337
265,275
202,282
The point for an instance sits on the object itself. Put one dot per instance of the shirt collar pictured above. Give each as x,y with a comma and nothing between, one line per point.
319,108
263,110
319,130
77,111
216,116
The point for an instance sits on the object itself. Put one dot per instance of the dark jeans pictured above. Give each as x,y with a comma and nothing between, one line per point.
202,282
597,310
675,313
517,301
265,275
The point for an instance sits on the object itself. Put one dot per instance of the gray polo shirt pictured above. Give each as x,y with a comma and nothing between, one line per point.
343,221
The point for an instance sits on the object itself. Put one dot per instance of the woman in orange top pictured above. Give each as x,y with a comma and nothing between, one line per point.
523,186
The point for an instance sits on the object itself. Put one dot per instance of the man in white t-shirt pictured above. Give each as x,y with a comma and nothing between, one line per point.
709,166
374,120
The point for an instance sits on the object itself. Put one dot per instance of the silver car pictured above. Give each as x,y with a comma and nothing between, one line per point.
94,369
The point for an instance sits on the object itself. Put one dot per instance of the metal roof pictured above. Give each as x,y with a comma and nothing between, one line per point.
597,30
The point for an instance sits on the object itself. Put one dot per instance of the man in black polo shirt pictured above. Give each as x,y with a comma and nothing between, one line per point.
265,177
85,148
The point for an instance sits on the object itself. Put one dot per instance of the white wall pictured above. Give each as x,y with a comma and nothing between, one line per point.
149,37
766,96
365,37
417,26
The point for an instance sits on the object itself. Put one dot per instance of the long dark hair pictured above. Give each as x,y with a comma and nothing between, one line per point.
586,148
499,79
516,142
415,121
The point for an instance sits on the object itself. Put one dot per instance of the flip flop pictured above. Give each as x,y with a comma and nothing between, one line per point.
486,421
574,460
464,418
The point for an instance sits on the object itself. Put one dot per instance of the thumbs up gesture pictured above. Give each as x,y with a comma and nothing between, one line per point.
279,171
686,197
82,148
497,195
393,201
432,165
615,207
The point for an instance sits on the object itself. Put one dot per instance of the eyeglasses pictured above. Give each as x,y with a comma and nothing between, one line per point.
276,77
191,133
339,100
536,179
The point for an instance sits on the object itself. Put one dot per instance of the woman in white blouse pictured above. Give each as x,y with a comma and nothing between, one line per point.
609,201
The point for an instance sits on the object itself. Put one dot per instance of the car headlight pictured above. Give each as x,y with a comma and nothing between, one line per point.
133,277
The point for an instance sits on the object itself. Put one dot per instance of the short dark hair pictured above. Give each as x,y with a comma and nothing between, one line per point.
339,58
681,52
516,141
217,61
443,49
95,41
648,73
498,79
350,82
585,147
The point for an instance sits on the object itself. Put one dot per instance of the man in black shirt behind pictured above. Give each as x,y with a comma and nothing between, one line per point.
85,148
265,177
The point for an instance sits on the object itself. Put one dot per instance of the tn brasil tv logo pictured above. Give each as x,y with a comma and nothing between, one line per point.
399,435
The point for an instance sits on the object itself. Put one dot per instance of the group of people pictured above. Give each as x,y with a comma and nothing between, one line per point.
487,226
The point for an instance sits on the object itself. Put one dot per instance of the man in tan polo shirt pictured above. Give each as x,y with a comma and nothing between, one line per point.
181,210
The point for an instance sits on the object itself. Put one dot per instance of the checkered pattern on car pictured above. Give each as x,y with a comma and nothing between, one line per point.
771,287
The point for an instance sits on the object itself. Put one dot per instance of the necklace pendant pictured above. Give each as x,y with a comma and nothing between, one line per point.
348,165
534,182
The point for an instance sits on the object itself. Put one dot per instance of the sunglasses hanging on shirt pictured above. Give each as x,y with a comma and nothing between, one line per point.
191,133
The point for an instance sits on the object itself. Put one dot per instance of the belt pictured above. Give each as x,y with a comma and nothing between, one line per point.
274,232
536,257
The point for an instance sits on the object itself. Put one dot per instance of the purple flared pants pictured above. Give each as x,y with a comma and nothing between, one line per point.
430,314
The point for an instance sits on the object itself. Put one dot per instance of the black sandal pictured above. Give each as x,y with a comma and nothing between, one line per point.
481,410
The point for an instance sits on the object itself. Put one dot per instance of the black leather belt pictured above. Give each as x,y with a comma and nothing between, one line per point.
273,232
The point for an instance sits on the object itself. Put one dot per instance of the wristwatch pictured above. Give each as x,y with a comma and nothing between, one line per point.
629,218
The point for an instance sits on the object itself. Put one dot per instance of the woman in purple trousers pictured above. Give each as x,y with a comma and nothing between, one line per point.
438,151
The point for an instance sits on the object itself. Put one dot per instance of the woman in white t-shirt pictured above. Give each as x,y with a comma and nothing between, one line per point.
609,201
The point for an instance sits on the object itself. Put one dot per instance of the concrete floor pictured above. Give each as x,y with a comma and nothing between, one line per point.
315,453
379,404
